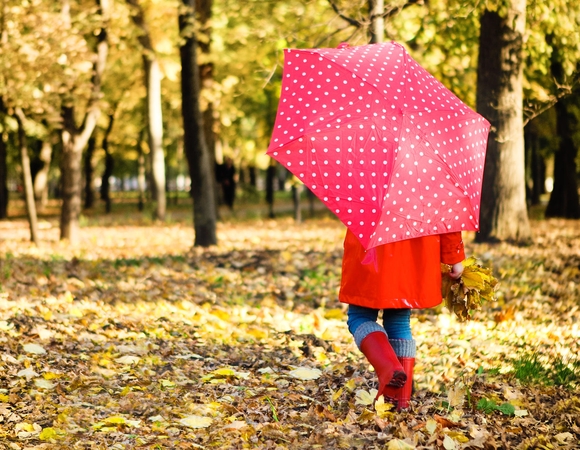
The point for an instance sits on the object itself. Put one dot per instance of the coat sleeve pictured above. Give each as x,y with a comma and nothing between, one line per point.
452,250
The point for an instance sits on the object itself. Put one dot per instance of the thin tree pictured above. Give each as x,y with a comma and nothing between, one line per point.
109,165
41,178
3,165
154,110
504,213
26,175
88,167
75,137
195,147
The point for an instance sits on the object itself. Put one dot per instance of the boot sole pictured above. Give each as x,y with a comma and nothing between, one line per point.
398,380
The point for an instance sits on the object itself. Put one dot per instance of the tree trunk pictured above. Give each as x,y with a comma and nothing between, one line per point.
377,27
154,112
27,176
89,192
270,179
3,179
155,127
564,201
74,140
500,99
109,166
41,178
195,147
206,70
141,173
536,167
296,191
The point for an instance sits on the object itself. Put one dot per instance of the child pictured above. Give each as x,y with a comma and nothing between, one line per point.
405,275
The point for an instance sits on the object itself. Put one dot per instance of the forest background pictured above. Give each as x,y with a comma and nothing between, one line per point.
100,95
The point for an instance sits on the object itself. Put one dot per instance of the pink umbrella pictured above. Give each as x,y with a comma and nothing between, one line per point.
385,146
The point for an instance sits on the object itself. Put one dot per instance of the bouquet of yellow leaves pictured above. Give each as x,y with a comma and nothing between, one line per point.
467,293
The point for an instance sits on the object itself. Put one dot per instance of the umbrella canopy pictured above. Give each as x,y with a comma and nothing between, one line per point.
386,147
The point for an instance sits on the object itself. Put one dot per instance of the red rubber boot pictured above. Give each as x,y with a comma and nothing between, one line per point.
376,347
404,394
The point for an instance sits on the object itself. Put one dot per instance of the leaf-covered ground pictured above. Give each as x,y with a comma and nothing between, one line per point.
135,340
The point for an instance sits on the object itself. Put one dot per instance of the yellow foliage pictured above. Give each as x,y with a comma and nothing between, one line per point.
467,293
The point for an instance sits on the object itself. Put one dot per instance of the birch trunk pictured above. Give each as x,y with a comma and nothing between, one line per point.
154,111
27,176
377,27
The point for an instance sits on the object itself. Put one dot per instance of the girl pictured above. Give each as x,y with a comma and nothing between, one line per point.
405,275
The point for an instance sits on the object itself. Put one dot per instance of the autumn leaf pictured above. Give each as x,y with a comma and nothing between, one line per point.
449,443
35,349
364,397
305,373
398,444
382,408
196,421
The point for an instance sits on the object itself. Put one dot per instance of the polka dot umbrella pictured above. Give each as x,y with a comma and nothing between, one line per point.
387,147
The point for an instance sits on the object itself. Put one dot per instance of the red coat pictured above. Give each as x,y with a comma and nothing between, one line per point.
408,275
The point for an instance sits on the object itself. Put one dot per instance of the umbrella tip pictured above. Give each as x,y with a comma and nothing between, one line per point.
343,45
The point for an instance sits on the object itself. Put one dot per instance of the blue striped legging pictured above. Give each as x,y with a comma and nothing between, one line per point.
395,321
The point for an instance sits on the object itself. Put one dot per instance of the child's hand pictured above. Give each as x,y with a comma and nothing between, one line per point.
456,270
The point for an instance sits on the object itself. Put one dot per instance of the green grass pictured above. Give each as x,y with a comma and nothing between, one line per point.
531,369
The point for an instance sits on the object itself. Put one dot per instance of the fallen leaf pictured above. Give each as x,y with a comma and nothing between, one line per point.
449,443
305,373
431,426
446,423
35,349
236,425
44,384
456,395
28,373
397,444
365,398
128,360
196,421
562,438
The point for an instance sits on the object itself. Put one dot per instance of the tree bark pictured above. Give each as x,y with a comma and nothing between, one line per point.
109,166
41,178
141,173
376,13
270,179
536,165
74,140
503,213
89,192
564,201
154,112
3,179
195,144
206,70
27,176
296,191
